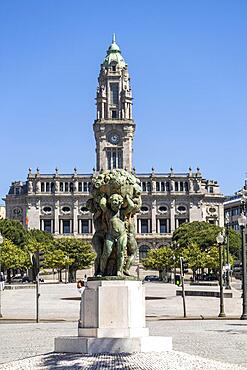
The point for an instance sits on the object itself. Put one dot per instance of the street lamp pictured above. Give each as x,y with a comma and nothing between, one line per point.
1,277
227,253
220,242
242,223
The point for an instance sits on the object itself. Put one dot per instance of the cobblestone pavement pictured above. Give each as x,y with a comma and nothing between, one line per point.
144,361
221,340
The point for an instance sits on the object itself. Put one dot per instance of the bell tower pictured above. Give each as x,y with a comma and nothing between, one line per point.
114,127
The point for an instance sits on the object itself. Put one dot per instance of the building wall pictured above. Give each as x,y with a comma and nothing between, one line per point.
2,212
57,204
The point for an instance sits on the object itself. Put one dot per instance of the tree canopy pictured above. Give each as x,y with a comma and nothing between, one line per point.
159,259
13,257
204,235
199,232
14,231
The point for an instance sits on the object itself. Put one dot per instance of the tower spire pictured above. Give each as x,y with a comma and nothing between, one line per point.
114,127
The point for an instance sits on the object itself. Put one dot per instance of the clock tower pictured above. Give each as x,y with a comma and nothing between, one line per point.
114,127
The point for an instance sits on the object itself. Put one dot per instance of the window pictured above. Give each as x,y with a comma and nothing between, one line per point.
120,158
181,209
114,93
114,114
17,191
84,209
85,187
144,209
85,226
143,251
47,226
47,210
114,68
157,186
176,186
149,186
181,221
61,186
186,186
114,158
181,186
71,187
167,186
66,186
235,211
79,186
162,186
42,187
144,187
210,189
163,226
162,209
66,226
144,226
108,155
52,187
47,187
66,209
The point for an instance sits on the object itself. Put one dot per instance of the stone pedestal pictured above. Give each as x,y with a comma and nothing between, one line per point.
112,320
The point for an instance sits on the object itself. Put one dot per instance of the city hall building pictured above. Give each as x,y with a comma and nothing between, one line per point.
56,202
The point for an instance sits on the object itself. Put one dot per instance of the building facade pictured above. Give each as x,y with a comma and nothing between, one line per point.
234,206
2,212
57,202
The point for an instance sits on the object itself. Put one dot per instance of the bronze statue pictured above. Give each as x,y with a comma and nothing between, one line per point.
116,197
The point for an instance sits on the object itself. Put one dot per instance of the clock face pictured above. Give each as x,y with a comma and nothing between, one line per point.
114,138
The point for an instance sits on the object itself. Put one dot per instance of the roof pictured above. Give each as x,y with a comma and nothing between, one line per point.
114,55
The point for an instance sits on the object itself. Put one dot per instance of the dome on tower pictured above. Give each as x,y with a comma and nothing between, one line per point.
114,55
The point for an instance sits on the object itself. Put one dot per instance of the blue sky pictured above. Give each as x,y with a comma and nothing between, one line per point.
187,61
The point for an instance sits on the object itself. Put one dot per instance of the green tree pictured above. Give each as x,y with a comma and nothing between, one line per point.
78,251
13,257
199,232
40,236
194,256
57,259
161,259
14,231
234,243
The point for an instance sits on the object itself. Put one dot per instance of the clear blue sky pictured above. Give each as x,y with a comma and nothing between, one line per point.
187,61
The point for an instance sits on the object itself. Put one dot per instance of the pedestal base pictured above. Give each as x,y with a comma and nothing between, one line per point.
112,345
112,320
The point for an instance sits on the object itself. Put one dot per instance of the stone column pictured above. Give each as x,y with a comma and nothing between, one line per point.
172,216
75,217
153,230
56,218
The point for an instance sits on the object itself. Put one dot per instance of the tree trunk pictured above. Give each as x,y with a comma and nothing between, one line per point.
60,276
72,275
9,276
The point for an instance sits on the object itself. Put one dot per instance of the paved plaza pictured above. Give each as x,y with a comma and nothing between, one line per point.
62,302
212,340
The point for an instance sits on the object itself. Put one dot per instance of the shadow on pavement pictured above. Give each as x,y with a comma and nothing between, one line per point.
84,361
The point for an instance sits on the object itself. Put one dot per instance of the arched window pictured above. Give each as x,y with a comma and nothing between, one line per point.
143,251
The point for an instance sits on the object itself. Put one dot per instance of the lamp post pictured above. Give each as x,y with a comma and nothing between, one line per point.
242,223
220,242
1,277
227,286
